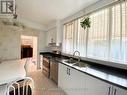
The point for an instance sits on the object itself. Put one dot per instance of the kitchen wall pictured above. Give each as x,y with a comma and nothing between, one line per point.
9,43
10,40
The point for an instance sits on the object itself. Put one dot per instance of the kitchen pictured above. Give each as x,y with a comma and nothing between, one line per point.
80,48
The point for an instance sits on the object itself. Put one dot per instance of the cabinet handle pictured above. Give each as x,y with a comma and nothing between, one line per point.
67,70
109,90
115,92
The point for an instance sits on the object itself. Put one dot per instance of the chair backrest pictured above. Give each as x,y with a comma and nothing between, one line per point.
21,86
3,89
26,66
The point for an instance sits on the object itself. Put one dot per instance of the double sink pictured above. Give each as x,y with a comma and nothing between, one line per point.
76,63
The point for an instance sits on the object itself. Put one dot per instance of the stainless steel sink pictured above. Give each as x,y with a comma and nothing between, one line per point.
70,61
80,65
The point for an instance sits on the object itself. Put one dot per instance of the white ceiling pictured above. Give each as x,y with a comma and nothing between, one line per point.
47,11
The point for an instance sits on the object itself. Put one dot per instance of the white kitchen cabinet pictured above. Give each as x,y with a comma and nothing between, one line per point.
74,82
119,91
55,32
97,87
51,36
71,80
62,77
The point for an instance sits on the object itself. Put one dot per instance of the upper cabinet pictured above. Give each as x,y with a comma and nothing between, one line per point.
51,35
54,33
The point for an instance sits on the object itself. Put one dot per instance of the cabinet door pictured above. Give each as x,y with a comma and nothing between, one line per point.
71,80
63,77
97,87
119,91
76,82
51,35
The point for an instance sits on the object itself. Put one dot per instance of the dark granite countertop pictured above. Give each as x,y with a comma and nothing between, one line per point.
110,75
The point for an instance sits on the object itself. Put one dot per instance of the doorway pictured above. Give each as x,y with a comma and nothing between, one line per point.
29,51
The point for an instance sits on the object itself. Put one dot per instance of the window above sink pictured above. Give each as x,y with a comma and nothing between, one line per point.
106,40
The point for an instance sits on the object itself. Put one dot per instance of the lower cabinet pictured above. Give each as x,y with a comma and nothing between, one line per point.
71,80
119,91
96,87
62,76
74,82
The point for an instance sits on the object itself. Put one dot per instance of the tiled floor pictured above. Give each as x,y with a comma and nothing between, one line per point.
43,85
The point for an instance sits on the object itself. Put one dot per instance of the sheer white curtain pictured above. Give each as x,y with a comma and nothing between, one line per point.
74,38
68,41
81,39
98,39
105,40
119,32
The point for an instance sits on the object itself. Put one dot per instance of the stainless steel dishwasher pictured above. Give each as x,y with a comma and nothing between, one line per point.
54,71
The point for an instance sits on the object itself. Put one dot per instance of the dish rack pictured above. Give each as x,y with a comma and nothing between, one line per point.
20,86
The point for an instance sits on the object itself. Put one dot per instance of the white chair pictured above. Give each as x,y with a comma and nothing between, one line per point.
26,66
16,85
3,89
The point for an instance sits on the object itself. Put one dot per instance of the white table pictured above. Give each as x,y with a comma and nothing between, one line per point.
11,70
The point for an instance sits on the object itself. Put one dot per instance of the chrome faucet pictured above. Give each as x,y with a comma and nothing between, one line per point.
74,54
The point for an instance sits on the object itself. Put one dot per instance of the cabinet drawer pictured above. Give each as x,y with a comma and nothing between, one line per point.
46,72
46,63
